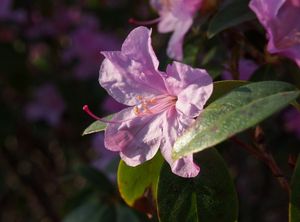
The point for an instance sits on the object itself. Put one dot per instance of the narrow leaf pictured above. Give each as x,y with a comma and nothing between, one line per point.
231,15
209,197
240,109
96,126
221,88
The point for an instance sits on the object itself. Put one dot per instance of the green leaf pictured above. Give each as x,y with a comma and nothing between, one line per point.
240,109
221,88
190,54
133,182
231,15
91,212
125,214
96,126
295,195
209,197
96,179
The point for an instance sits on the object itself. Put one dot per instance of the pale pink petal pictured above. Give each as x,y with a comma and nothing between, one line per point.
175,46
174,125
193,87
131,73
168,23
137,47
264,10
137,139
281,21
177,16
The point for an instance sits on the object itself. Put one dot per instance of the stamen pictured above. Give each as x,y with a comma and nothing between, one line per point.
149,22
136,111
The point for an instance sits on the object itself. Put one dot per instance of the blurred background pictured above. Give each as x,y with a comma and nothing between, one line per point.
49,62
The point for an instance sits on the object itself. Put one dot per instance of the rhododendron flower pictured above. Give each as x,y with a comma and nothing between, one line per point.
246,69
176,16
48,105
281,21
86,41
292,121
104,159
8,14
161,104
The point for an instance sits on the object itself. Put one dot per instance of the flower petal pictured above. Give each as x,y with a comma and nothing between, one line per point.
193,87
132,72
280,19
174,125
136,138
175,46
265,10
137,46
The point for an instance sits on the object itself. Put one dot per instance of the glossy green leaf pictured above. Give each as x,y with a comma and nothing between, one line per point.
133,182
96,126
209,197
221,88
240,109
295,195
231,15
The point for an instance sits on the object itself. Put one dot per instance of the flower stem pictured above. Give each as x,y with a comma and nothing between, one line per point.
263,155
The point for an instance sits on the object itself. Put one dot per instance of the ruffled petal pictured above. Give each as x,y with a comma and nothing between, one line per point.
280,19
133,72
136,138
137,47
192,87
174,126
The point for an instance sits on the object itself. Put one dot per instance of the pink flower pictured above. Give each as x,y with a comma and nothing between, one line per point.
281,21
47,105
246,69
162,105
292,121
7,14
104,157
176,16
86,41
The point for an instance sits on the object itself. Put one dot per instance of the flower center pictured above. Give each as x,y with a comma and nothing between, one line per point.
154,105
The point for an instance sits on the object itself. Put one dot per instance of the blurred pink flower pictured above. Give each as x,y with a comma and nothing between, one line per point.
86,43
292,121
281,21
47,105
104,157
162,104
246,69
176,16
7,14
